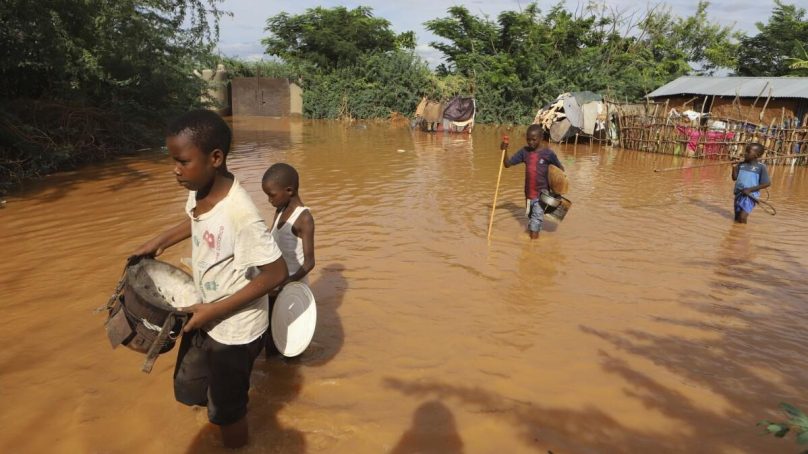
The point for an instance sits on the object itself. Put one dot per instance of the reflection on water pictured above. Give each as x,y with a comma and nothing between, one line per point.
645,322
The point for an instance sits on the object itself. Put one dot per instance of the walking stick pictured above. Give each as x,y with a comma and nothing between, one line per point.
504,147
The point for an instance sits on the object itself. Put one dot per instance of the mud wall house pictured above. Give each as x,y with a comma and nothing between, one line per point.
267,97
759,100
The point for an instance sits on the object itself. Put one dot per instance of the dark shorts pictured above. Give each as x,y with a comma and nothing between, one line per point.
215,375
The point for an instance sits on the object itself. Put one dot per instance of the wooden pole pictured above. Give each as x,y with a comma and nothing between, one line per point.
759,94
763,110
722,163
496,191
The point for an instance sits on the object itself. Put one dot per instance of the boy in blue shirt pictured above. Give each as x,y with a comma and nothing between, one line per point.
750,177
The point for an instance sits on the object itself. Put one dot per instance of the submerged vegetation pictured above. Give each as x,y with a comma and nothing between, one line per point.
797,423
93,79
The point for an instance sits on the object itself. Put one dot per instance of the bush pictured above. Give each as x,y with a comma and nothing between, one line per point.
94,78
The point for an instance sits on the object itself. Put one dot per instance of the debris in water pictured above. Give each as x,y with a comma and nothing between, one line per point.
2,203
401,150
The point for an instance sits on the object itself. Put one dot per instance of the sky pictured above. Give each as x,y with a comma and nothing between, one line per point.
241,34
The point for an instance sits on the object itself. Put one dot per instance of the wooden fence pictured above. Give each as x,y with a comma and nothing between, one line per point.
651,127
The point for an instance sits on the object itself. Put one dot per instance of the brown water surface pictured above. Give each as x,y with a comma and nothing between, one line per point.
645,322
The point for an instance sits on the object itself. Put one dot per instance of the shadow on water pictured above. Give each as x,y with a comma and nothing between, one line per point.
278,381
535,425
724,212
751,352
329,290
119,173
433,430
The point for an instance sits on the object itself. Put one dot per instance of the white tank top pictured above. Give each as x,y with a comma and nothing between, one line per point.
291,246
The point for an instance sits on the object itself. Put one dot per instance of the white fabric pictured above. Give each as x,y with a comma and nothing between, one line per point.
590,113
290,244
229,242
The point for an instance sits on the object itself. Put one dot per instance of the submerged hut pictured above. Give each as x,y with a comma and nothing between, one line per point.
455,115
572,114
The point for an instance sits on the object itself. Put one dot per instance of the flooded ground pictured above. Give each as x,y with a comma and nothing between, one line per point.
645,322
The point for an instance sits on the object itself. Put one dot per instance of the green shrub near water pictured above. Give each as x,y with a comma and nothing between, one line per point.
82,81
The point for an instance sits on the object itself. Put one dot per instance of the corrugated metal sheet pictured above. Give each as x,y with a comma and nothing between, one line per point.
746,87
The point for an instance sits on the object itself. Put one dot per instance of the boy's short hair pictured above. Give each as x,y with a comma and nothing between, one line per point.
205,128
283,174
534,127
757,146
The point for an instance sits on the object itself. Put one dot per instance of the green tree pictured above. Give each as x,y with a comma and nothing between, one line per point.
85,80
330,38
778,42
377,85
525,58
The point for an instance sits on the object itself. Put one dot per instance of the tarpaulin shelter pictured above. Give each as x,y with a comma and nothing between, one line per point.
583,113
455,115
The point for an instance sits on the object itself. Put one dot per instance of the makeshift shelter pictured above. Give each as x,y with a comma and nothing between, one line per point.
760,100
714,117
455,115
583,113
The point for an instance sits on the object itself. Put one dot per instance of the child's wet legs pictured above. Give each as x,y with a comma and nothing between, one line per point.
235,435
536,219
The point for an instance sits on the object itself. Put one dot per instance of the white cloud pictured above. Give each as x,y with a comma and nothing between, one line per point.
242,33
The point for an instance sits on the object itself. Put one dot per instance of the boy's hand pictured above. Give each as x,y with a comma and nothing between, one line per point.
202,314
151,248
747,191
505,143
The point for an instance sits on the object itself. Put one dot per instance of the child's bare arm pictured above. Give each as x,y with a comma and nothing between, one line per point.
270,276
304,229
505,158
735,169
170,237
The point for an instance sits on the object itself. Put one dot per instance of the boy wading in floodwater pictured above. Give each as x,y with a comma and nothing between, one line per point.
750,176
292,230
235,263
537,166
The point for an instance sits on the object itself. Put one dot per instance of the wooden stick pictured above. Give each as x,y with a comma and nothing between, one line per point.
496,191
698,166
763,110
759,94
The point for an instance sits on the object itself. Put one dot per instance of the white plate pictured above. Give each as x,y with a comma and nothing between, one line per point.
294,318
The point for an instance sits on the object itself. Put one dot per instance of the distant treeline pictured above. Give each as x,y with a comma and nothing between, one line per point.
85,80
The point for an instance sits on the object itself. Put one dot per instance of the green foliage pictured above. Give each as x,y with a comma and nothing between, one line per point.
772,51
352,64
800,62
330,38
377,85
261,68
84,80
797,421
525,58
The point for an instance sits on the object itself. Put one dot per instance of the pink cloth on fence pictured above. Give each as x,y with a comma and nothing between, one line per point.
711,148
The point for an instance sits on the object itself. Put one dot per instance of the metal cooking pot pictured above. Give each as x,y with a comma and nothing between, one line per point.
144,315
549,200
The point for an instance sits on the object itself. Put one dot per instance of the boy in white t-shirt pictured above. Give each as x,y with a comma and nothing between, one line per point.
235,264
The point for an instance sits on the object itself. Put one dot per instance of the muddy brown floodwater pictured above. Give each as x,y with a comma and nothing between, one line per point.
645,322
